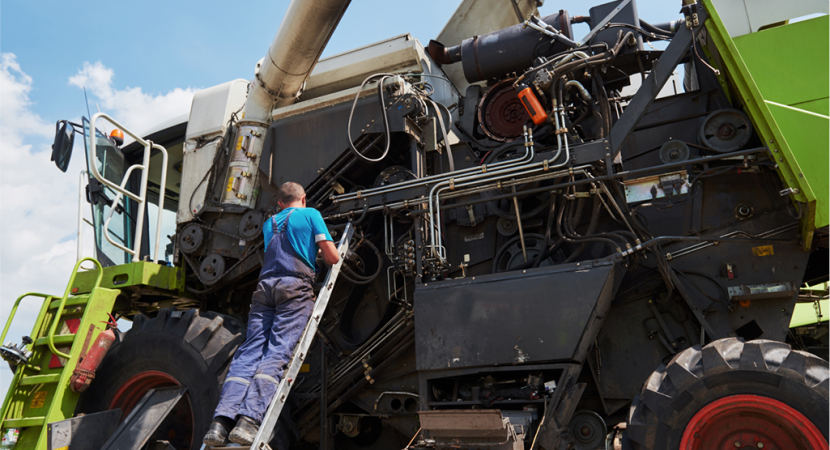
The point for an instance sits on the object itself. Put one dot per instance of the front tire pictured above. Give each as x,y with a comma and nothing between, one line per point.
188,348
757,394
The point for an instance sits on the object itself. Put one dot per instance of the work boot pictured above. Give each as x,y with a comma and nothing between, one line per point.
244,432
217,434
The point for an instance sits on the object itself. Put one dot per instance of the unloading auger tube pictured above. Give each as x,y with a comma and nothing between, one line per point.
278,81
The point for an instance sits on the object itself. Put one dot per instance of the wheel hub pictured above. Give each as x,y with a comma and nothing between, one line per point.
750,422
178,426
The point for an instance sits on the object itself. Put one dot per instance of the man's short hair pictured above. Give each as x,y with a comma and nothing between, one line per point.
290,192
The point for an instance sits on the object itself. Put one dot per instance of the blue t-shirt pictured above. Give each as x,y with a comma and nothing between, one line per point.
305,229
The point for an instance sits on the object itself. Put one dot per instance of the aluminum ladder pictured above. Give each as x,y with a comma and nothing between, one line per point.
269,421
64,330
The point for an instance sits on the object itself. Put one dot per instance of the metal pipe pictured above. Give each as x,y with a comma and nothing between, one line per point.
581,89
519,222
303,34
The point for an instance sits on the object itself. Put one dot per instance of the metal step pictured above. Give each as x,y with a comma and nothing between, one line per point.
143,420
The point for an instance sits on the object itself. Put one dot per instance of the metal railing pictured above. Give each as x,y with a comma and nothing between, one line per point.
141,198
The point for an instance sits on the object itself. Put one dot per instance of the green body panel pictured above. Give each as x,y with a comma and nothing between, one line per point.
806,313
142,273
781,76
811,313
39,395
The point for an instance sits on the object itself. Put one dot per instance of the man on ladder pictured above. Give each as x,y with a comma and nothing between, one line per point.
281,307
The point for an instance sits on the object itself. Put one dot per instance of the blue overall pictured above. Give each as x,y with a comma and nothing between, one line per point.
281,307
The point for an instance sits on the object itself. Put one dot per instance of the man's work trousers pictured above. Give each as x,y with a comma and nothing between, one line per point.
279,313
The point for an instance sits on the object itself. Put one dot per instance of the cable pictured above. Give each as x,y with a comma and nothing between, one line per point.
383,77
444,132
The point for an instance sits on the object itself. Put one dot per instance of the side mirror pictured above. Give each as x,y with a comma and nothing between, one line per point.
62,146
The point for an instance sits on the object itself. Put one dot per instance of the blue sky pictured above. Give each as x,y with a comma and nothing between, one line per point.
141,62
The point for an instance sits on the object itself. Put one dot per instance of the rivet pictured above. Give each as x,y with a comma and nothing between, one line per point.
737,443
760,445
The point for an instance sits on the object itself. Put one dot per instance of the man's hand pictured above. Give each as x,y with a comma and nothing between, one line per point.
330,256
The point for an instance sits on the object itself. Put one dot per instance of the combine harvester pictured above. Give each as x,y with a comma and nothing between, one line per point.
538,254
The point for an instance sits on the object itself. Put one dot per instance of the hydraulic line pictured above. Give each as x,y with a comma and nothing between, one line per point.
581,240
383,77
444,132
355,278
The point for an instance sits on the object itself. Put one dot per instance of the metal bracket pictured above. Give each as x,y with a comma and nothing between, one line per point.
662,70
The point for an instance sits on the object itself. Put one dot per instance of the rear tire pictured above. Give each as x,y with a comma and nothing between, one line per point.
758,388
188,348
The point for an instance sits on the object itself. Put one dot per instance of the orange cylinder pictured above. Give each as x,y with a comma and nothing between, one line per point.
534,108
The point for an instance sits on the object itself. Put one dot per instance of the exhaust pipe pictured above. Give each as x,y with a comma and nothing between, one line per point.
279,77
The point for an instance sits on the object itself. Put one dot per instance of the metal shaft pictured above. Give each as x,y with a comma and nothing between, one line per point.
519,223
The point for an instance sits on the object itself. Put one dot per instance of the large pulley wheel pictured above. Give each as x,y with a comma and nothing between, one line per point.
510,254
501,113
212,268
250,226
725,130
186,348
191,238
732,394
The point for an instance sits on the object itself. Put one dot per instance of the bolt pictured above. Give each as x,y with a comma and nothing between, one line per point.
737,443
760,445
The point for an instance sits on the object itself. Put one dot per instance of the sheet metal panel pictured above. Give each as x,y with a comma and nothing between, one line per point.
510,318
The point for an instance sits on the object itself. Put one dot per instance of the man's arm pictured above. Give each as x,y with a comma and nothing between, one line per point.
330,256
323,239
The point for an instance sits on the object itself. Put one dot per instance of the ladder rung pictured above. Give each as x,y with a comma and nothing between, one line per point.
71,301
60,339
39,379
24,422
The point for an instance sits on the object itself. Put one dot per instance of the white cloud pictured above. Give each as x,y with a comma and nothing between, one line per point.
39,206
131,106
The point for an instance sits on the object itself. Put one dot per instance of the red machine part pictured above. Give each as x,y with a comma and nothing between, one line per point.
750,421
532,106
83,375
501,113
85,372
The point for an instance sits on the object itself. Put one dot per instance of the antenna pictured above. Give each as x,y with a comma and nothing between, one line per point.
87,105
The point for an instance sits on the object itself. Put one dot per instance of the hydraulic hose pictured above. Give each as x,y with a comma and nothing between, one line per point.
353,277
383,77
444,132
580,240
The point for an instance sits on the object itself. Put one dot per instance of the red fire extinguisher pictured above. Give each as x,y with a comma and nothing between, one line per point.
85,372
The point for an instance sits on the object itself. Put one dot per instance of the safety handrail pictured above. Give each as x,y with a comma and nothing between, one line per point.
14,311
50,336
141,198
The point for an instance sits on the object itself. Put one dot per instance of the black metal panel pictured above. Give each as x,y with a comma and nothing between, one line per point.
84,432
304,144
501,319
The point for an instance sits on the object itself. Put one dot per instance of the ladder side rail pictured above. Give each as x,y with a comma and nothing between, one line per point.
14,310
19,372
277,403
141,198
51,335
